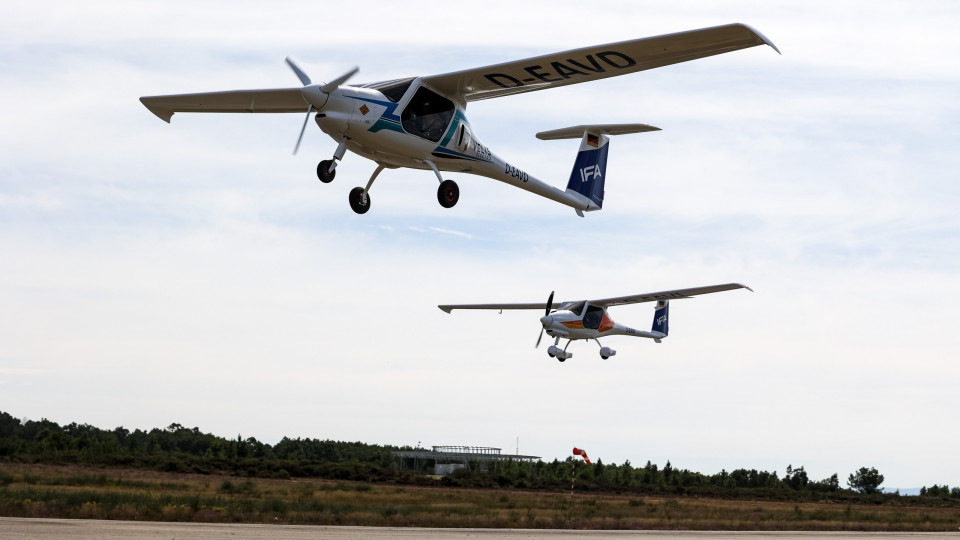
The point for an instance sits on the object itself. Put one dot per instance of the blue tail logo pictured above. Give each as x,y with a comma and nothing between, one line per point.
661,317
590,168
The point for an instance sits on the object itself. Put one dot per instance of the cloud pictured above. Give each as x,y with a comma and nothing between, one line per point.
451,232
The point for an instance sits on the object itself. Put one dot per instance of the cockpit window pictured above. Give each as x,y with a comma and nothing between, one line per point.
593,317
427,114
393,90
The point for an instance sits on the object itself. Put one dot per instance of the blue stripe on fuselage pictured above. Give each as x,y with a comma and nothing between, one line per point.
447,153
389,114
457,118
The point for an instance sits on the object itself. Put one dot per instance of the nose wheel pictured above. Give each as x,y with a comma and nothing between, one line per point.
558,353
325,172
448,193
359,201
327,169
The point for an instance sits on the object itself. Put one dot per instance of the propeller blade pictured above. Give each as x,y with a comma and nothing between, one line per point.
300,73
334,84
302,129
543,327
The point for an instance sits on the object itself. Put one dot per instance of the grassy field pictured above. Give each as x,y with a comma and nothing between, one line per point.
75,492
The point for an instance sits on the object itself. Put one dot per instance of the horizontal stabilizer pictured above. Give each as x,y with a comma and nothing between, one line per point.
576,132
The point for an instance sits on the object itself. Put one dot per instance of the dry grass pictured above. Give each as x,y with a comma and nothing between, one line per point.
75,492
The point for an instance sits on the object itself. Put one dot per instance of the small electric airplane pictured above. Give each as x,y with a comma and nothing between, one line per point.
419,122
588,319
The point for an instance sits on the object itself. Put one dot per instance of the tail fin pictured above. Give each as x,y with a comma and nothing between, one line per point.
661,317
590,168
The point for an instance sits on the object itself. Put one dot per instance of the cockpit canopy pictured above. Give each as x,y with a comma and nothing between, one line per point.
592,316
426,115
392,90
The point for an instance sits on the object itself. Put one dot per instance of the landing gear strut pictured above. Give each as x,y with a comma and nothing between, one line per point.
327,169
360,196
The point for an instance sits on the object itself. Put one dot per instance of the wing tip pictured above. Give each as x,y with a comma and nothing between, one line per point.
445,309
762,37
160,112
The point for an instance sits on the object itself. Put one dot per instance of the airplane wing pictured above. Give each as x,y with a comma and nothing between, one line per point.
541,306
597,62
281,100
667,295
607,302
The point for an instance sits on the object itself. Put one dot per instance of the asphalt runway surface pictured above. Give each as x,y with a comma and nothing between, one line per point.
110,530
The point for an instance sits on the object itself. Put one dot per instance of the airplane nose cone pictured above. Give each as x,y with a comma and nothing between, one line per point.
313,95
546,320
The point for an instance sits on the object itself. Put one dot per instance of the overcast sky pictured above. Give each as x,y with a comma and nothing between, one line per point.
198,273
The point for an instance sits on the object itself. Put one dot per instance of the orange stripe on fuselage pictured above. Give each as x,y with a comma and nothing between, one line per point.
606,324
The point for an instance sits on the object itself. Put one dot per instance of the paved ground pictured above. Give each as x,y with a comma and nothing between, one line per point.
112,530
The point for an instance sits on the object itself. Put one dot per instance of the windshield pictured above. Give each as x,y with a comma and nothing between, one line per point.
392,90
575,308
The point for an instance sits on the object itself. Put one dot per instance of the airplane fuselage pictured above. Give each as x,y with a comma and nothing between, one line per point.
391,134
569,325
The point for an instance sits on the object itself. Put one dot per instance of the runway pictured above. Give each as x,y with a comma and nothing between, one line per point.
115,530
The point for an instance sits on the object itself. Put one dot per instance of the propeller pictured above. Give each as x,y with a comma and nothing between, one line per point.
302,75
546,314
312,92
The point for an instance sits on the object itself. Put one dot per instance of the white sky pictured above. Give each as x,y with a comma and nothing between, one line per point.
197,273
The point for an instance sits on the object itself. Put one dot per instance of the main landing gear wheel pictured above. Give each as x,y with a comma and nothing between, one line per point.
324,173
359,202
448,194
561,359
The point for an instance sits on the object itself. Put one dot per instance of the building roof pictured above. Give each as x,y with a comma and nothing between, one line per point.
463,453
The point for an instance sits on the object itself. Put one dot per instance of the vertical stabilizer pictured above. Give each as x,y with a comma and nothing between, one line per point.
661,317
590,168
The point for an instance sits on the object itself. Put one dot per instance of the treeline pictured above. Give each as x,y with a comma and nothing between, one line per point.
188,450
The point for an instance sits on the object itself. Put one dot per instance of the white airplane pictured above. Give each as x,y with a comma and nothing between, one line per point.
588,319
419,122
